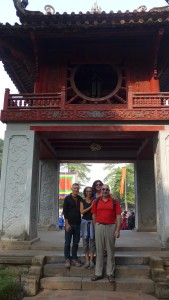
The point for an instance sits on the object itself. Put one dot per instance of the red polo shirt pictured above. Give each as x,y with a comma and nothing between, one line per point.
105,212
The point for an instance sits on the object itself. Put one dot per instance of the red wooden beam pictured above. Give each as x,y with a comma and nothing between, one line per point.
97,128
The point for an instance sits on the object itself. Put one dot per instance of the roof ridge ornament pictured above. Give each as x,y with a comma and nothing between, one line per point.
20,5
96,9
49,9
142,8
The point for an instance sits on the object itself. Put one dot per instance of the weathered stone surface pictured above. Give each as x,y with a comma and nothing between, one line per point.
61,283
156,262
38,260
142,285
17,245
19,185
16,260
57,270
35,271
31,286
131,260
158,274
101,285
138,271
162,290
49,173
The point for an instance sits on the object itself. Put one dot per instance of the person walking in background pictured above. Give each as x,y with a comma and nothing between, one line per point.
96,188
131,221
107,219
60,221
87,227
124,225
71,212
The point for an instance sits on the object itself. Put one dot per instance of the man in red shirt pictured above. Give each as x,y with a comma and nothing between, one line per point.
107,220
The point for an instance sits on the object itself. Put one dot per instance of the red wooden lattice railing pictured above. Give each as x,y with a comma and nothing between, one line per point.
57,100
34,101
150,100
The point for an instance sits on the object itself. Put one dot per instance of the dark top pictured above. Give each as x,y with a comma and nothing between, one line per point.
88,215
71,209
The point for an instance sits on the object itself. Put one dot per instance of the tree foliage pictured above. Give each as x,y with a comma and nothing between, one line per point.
1,152
113,179
82,169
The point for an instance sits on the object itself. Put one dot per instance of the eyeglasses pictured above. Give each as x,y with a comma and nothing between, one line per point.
105,190
99,184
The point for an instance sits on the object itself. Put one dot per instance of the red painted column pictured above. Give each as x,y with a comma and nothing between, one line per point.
130,97
6,96
63,97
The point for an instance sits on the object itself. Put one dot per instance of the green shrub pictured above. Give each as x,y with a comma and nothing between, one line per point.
10,285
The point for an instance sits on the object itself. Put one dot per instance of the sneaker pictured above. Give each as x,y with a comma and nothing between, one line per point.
92,264
75,263
67,263
87,265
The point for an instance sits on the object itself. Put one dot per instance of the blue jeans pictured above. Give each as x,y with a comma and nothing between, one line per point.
75,232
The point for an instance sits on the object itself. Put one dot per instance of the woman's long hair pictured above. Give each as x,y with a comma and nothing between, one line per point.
94,185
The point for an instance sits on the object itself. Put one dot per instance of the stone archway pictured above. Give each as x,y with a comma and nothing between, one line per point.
19,183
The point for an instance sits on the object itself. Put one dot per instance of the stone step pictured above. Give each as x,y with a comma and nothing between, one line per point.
131,260
136,271
55,270
16,260
47,247
120,260
82,283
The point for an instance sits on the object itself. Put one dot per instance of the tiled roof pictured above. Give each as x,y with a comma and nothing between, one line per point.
97,19
67,25
92,19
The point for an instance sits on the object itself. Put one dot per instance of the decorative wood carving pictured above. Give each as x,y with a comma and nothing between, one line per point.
53,114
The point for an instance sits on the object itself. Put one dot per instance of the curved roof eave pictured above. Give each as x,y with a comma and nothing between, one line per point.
21,11
27,16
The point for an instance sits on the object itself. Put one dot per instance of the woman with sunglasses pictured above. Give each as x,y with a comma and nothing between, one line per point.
96,188
87,228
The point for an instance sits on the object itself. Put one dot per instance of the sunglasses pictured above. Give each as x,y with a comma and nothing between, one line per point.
105,190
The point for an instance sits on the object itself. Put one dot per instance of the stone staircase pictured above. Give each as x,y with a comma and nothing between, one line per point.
132,274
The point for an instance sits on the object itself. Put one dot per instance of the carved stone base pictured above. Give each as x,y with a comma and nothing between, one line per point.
11,244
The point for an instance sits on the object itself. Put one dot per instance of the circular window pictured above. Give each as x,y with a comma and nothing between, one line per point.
92,81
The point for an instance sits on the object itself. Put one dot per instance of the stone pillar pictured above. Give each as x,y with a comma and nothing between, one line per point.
19,182
161,149
145,196
48,194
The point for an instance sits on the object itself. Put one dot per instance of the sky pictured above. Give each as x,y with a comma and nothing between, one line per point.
8,15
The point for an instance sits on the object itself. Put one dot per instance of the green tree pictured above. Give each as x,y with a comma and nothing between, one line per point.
82,169
1,152
114,180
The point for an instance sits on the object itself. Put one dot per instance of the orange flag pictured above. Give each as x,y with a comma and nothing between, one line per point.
123,178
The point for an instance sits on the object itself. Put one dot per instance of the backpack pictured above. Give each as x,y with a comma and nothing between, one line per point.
113,200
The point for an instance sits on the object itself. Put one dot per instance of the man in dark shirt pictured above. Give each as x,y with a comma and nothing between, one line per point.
71,211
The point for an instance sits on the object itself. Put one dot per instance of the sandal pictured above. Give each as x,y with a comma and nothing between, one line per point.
95,278
111,278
